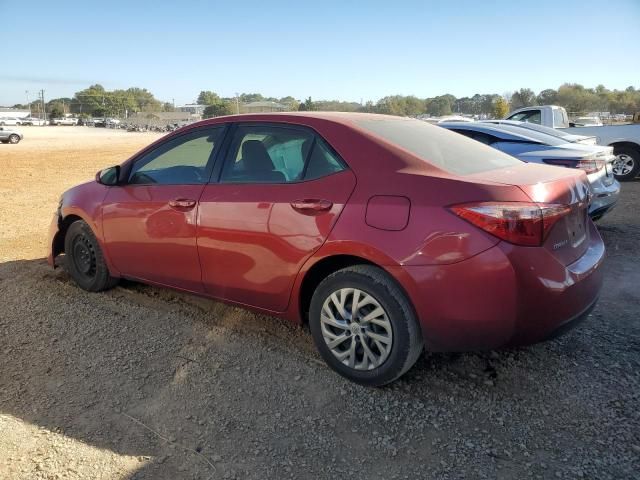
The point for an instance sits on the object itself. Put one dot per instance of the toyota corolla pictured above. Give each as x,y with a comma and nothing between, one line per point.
386,235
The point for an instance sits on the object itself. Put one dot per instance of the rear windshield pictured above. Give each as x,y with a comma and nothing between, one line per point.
528,134
540,128
446,150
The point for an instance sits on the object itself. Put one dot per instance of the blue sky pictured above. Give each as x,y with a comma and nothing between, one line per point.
348,50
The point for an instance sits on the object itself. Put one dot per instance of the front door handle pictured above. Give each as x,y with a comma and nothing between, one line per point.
182,203
311,206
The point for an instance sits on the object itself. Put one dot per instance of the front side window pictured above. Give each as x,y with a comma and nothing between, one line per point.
180,161
272,154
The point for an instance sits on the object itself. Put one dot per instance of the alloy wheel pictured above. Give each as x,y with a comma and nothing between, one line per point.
623,164
356,329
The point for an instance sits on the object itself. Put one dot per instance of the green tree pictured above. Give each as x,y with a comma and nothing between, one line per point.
439,106
500,108
218,109
168,107
56,110
253,97
89,100
207,97
307,106
547,97
523,98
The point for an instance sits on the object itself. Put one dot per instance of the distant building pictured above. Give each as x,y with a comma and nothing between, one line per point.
193,108
260,107
13,113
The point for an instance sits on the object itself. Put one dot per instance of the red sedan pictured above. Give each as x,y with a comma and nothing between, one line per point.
384,234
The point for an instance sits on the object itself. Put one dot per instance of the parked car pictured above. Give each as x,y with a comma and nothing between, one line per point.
33,121
10,136
12,121
587,122
625,139
570,138
64,121
382,233
536,147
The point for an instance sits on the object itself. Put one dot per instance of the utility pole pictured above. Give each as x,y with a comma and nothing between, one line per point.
44,110
237,103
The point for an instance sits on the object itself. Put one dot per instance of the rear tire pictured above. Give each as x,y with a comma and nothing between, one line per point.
627,164
84,260
373,344
14,139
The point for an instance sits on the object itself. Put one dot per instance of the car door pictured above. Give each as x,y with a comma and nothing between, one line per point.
149,223
272,204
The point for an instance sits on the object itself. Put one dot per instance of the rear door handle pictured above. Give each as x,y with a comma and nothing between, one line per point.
311,206
182,203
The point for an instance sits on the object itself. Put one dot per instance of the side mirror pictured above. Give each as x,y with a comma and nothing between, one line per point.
108,176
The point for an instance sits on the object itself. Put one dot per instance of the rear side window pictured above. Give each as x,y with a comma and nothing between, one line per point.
446,150
273,154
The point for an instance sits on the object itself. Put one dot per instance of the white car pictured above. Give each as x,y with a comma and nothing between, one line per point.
64,121
33,121
625,139
588,122
10,121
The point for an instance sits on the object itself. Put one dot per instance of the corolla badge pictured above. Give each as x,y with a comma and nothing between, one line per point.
561,244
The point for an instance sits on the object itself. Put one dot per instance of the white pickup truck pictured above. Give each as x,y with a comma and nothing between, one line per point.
625,139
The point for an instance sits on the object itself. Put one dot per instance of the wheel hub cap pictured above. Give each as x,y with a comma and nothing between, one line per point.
622,165
83,256
356,329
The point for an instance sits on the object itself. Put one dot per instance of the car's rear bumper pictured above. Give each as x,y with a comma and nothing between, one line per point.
604,199
504,296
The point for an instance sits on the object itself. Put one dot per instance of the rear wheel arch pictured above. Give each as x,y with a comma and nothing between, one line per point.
327,266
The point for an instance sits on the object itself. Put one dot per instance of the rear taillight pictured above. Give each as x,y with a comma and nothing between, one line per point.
521,223
589,165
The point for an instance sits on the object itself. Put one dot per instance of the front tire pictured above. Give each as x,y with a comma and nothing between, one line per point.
364,326
627,164
84,260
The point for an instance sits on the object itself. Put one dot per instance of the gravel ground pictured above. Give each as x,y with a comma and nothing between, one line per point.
142,382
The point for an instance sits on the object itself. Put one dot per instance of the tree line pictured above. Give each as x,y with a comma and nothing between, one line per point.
97,101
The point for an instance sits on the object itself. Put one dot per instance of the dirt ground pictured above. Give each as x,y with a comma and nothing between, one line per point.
142,382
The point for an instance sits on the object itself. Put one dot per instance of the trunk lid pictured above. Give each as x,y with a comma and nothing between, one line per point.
569,237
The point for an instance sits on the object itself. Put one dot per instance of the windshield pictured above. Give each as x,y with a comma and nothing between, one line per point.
437,146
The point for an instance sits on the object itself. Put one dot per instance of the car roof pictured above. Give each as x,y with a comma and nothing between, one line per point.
343,118
505,132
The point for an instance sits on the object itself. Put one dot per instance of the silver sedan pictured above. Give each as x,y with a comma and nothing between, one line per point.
10,136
